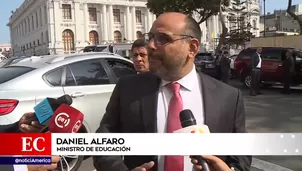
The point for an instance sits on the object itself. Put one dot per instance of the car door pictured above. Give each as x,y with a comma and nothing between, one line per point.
271,64
88,83
120,67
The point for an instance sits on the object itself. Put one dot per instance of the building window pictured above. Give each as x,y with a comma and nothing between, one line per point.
116,16
92,15
254,24
94,38
32,23
138,15
45,14
139,35
28,24
117,36
37,20
68,40
40,13
38,42
66,10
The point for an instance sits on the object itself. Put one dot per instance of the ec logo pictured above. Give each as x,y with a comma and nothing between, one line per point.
197,131
62,120
29,142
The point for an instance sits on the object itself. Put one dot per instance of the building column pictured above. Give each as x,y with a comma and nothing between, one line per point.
128,24
133,23
104,23
146,22
149,15
111,30
86,23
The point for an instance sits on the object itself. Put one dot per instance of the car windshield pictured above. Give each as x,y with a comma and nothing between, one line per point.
89,49
299,56
11,72
204,57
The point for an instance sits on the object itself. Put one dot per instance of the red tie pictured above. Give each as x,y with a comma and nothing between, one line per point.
174,163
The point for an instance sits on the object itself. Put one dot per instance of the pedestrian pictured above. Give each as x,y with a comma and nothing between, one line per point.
255,70
139,56
225,67
288,71
217,60
150,102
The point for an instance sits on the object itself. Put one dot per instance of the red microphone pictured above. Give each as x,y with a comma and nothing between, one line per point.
65,119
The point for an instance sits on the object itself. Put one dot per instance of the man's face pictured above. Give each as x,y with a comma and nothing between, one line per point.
259,50
140,59
168,47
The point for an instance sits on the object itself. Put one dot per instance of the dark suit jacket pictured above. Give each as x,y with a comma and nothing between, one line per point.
10,128
133,109
7,168
289,65
254,61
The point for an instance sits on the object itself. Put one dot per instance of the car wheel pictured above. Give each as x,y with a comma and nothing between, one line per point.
70,163
247,81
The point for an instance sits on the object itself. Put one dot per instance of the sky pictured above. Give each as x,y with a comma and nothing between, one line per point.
9,5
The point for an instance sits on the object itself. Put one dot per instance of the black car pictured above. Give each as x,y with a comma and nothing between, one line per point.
205,63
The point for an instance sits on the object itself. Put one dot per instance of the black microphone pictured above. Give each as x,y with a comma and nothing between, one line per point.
187,119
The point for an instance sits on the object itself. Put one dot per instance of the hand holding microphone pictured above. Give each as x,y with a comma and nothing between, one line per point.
201,163
215,163
29,123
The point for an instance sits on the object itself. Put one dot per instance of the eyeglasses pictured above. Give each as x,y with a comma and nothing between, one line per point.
163,38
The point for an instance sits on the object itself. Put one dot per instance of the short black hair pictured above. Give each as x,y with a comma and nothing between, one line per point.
225,52
138,43
192,28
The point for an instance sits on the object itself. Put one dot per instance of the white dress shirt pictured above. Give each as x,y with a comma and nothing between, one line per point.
20,168
190,92
260,60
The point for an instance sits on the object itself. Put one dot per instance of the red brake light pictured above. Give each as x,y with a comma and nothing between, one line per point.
7,106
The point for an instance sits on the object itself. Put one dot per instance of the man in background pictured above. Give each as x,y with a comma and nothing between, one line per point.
255,70
288,71
225,67
140,56
217,59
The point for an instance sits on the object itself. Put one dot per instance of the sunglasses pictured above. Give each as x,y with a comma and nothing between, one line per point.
164,38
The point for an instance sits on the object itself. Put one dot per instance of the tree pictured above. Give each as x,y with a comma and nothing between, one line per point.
293,15
204,8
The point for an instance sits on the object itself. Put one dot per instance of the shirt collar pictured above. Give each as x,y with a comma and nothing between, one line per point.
187,81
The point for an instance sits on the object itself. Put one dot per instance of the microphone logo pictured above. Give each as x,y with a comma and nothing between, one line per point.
76,127
62,120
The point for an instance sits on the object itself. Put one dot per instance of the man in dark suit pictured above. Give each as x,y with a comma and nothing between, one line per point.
255,70
225,67
288,71
151,102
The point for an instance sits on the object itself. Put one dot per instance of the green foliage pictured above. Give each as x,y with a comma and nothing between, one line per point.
204,8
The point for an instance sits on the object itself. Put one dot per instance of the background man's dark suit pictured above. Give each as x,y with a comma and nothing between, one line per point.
288,70
8,129
7,168
225,69
133,109
255,74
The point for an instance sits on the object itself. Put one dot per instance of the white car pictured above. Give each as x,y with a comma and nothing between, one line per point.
89,78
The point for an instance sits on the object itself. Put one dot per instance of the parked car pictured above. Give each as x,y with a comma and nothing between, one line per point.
271,66
205,62
10,61
88,78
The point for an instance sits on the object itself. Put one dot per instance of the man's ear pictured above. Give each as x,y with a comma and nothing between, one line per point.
193,47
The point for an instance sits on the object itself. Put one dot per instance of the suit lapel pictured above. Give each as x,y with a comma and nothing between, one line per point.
149,104
210,95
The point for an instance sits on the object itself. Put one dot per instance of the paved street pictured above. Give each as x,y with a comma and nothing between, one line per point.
270,112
